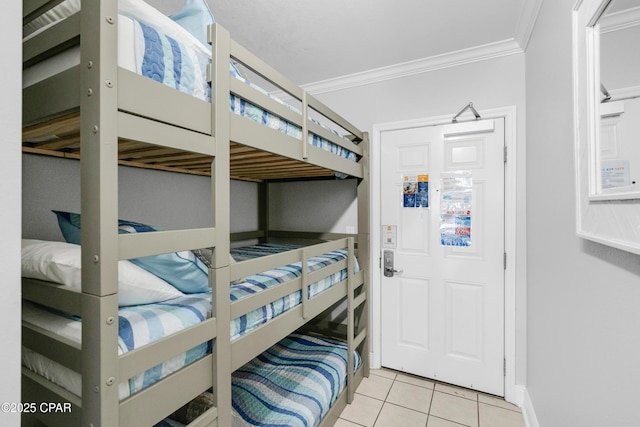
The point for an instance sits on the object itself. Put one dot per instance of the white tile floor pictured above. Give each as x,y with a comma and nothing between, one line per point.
389,398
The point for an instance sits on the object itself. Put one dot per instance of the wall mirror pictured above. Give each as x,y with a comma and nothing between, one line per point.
607,113
617,159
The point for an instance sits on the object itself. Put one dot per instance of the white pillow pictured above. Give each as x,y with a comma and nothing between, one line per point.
60,262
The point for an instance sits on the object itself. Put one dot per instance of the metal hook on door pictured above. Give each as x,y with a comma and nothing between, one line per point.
468,107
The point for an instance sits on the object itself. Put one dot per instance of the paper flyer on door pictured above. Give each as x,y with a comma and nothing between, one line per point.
415,191
615,173
389,236
456,209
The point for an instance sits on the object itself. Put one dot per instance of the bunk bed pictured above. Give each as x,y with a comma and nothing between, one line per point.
106,110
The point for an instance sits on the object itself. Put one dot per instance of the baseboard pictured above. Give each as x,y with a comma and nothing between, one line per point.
528,413
515,394
374,363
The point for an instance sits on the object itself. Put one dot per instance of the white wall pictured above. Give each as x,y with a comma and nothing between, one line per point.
10,193
488,84
583,298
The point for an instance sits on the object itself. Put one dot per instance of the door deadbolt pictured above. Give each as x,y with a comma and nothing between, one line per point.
388,264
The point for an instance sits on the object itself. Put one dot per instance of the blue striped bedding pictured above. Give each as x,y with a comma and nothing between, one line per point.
141,325
258,282
167,61
137,326
294,383
256,251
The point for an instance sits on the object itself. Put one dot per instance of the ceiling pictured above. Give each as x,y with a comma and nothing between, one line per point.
314,41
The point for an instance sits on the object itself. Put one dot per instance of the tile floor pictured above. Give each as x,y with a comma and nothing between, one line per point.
390,398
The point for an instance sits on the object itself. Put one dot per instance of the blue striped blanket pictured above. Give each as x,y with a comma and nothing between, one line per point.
141,325
137,326
167,61
256,251
258,282
294,383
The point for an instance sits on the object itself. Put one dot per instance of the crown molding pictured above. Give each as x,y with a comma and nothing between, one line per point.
620,20
527,21
516,45
425,65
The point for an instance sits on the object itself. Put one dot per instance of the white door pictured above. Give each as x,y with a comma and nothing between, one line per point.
443,313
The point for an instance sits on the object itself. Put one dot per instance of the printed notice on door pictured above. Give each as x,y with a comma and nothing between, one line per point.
615,173
389,236
456,209
415,191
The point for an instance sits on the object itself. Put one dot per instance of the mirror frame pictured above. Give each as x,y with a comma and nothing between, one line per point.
610,218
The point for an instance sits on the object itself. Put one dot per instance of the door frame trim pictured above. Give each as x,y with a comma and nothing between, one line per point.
514,247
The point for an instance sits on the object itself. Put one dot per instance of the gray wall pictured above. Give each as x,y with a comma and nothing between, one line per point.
163,199
329,206
583,298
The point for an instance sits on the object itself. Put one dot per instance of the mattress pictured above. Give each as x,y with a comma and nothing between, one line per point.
294,383
137,326
152,45
258,282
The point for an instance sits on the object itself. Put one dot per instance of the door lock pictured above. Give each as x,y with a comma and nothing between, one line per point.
388,264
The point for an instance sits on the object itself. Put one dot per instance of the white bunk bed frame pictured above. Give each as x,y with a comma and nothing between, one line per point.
110,109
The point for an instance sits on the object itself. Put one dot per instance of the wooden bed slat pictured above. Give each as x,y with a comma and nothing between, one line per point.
320,274
249,133
247,163
37,389
258,265
255,342
65,125
325,159
141,359
69,142
330,136
169,393
134,128
58,297
263,101
207,419
177,108
31,9
137,245
320,107
264,297
59,37
270,74
59,100
53,346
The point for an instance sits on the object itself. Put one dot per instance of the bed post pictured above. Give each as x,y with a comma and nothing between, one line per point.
364,247
263,210
220,170
350,319
99,209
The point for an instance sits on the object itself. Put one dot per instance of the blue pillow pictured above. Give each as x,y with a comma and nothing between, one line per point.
182,269
194,17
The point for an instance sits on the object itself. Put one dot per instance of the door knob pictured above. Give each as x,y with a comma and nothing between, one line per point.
388,264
